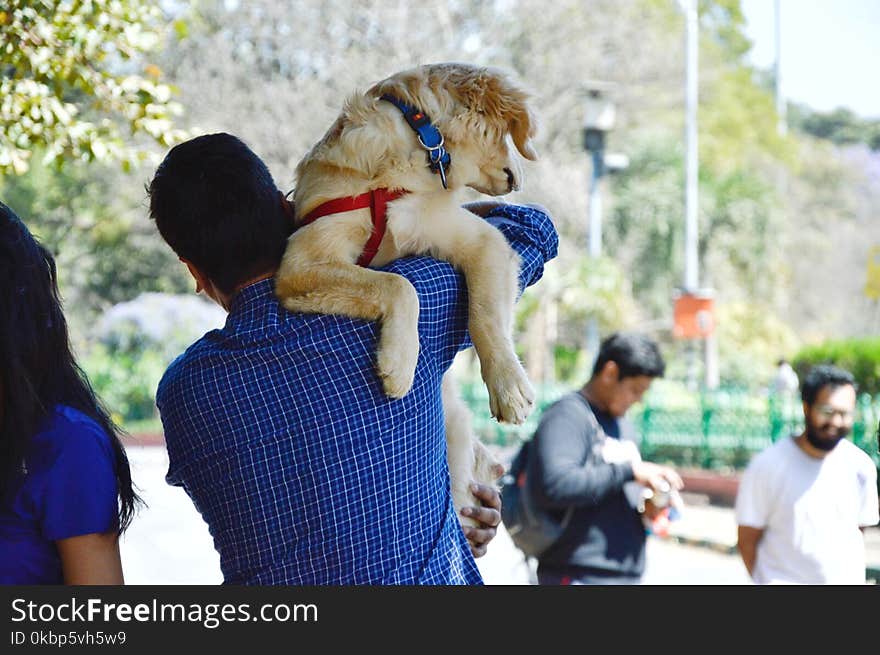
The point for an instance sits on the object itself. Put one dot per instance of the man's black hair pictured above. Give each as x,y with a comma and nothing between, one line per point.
635,354
824,375
216,204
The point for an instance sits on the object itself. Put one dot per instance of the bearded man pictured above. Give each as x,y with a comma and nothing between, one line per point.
803,503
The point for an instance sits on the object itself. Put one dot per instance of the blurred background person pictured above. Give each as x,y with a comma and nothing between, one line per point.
65,485
803,503
785,382
604,542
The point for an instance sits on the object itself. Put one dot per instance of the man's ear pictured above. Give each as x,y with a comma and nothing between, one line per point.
610,373
201,279
203,283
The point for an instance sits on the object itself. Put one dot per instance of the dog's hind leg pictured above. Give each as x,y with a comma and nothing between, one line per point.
469,460
350,290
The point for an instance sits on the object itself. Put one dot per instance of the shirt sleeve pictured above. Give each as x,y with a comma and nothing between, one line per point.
869,515
564,470
79,494
751,507
442,291
171,401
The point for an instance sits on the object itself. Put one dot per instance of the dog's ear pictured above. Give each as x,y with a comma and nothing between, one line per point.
520,120
502,98
522,128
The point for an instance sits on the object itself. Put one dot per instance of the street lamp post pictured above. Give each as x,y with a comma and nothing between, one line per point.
596,148
691,287
598,121
781,124
691,263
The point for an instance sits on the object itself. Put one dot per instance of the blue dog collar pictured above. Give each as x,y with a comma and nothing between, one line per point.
429,136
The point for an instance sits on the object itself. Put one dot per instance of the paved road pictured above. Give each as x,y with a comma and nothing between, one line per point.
168,543
668,563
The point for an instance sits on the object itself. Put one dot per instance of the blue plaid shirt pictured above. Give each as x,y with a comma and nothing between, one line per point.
305,472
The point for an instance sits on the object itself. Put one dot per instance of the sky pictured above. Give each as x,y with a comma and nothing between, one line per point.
830,51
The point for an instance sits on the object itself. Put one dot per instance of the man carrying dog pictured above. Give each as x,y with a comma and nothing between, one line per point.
277,425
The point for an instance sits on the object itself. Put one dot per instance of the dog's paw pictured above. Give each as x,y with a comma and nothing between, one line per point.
398,350
511,396
396,375
397,358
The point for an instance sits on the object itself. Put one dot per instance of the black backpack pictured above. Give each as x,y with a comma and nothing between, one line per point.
532,529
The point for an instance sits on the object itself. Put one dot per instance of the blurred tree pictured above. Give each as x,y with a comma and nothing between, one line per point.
589,288
751,339
646,228
74,81
840,126
92,217
743,235
292,64
134,342
781,220
832,200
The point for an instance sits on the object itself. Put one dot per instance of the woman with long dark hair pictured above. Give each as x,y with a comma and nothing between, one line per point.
65,484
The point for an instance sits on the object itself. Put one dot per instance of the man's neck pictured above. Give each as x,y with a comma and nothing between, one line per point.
225,300
804,444
253,280
589,393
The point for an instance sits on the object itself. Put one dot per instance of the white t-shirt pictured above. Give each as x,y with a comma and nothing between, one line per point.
810,510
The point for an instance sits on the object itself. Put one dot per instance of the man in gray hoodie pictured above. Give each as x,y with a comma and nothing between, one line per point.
604,541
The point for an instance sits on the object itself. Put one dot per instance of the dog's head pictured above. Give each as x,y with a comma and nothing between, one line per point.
480,112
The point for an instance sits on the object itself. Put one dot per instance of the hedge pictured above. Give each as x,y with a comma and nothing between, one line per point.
861,357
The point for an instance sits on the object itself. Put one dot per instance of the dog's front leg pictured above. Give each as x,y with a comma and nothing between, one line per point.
346,289
491,269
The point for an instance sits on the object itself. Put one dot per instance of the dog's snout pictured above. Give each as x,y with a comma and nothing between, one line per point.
511,180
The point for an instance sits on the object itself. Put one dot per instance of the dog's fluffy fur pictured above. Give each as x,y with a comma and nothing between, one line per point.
370,146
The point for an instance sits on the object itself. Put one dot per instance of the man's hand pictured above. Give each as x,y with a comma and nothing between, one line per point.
747,544
655,475
488,516
651,510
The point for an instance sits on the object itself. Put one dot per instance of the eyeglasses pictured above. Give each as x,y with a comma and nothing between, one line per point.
827,411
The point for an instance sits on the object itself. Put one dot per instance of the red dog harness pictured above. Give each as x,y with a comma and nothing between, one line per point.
376,200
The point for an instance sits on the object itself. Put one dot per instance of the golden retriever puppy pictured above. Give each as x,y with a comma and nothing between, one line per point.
379,154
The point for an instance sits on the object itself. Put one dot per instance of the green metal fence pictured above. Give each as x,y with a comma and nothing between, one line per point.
721,429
